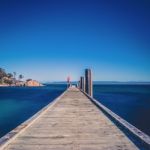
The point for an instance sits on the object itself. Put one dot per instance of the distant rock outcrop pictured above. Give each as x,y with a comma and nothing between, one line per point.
10,79
31,82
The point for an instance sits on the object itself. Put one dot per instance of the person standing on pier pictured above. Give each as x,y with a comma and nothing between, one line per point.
68,82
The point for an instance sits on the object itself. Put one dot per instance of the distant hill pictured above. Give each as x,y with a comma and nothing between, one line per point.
101,82
120,82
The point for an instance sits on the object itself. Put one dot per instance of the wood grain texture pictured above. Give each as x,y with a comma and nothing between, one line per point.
73,123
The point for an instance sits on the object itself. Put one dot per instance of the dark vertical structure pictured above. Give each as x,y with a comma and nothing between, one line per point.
79,84
82,84
88,82
68,82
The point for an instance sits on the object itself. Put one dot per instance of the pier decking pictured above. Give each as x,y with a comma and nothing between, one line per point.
73,122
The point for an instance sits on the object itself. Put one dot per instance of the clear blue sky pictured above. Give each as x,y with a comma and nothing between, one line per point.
50,39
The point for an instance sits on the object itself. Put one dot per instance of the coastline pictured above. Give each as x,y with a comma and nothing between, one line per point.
6,85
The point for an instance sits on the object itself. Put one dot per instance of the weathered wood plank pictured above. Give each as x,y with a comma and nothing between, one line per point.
73,123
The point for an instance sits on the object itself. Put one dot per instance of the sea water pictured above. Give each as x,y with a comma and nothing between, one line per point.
17,104
131,102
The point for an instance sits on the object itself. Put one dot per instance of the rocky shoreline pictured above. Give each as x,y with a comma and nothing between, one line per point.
11,79
28,83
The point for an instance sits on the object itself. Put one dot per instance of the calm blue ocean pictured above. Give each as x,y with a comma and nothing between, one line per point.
131,102
17,104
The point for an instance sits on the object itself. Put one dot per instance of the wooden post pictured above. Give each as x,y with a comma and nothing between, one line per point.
88,82
82,84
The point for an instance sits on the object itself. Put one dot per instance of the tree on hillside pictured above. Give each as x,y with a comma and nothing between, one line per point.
9,75
21,76
8,81
29,80
2,74
14,73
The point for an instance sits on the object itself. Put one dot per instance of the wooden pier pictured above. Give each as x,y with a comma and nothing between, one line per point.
71,122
